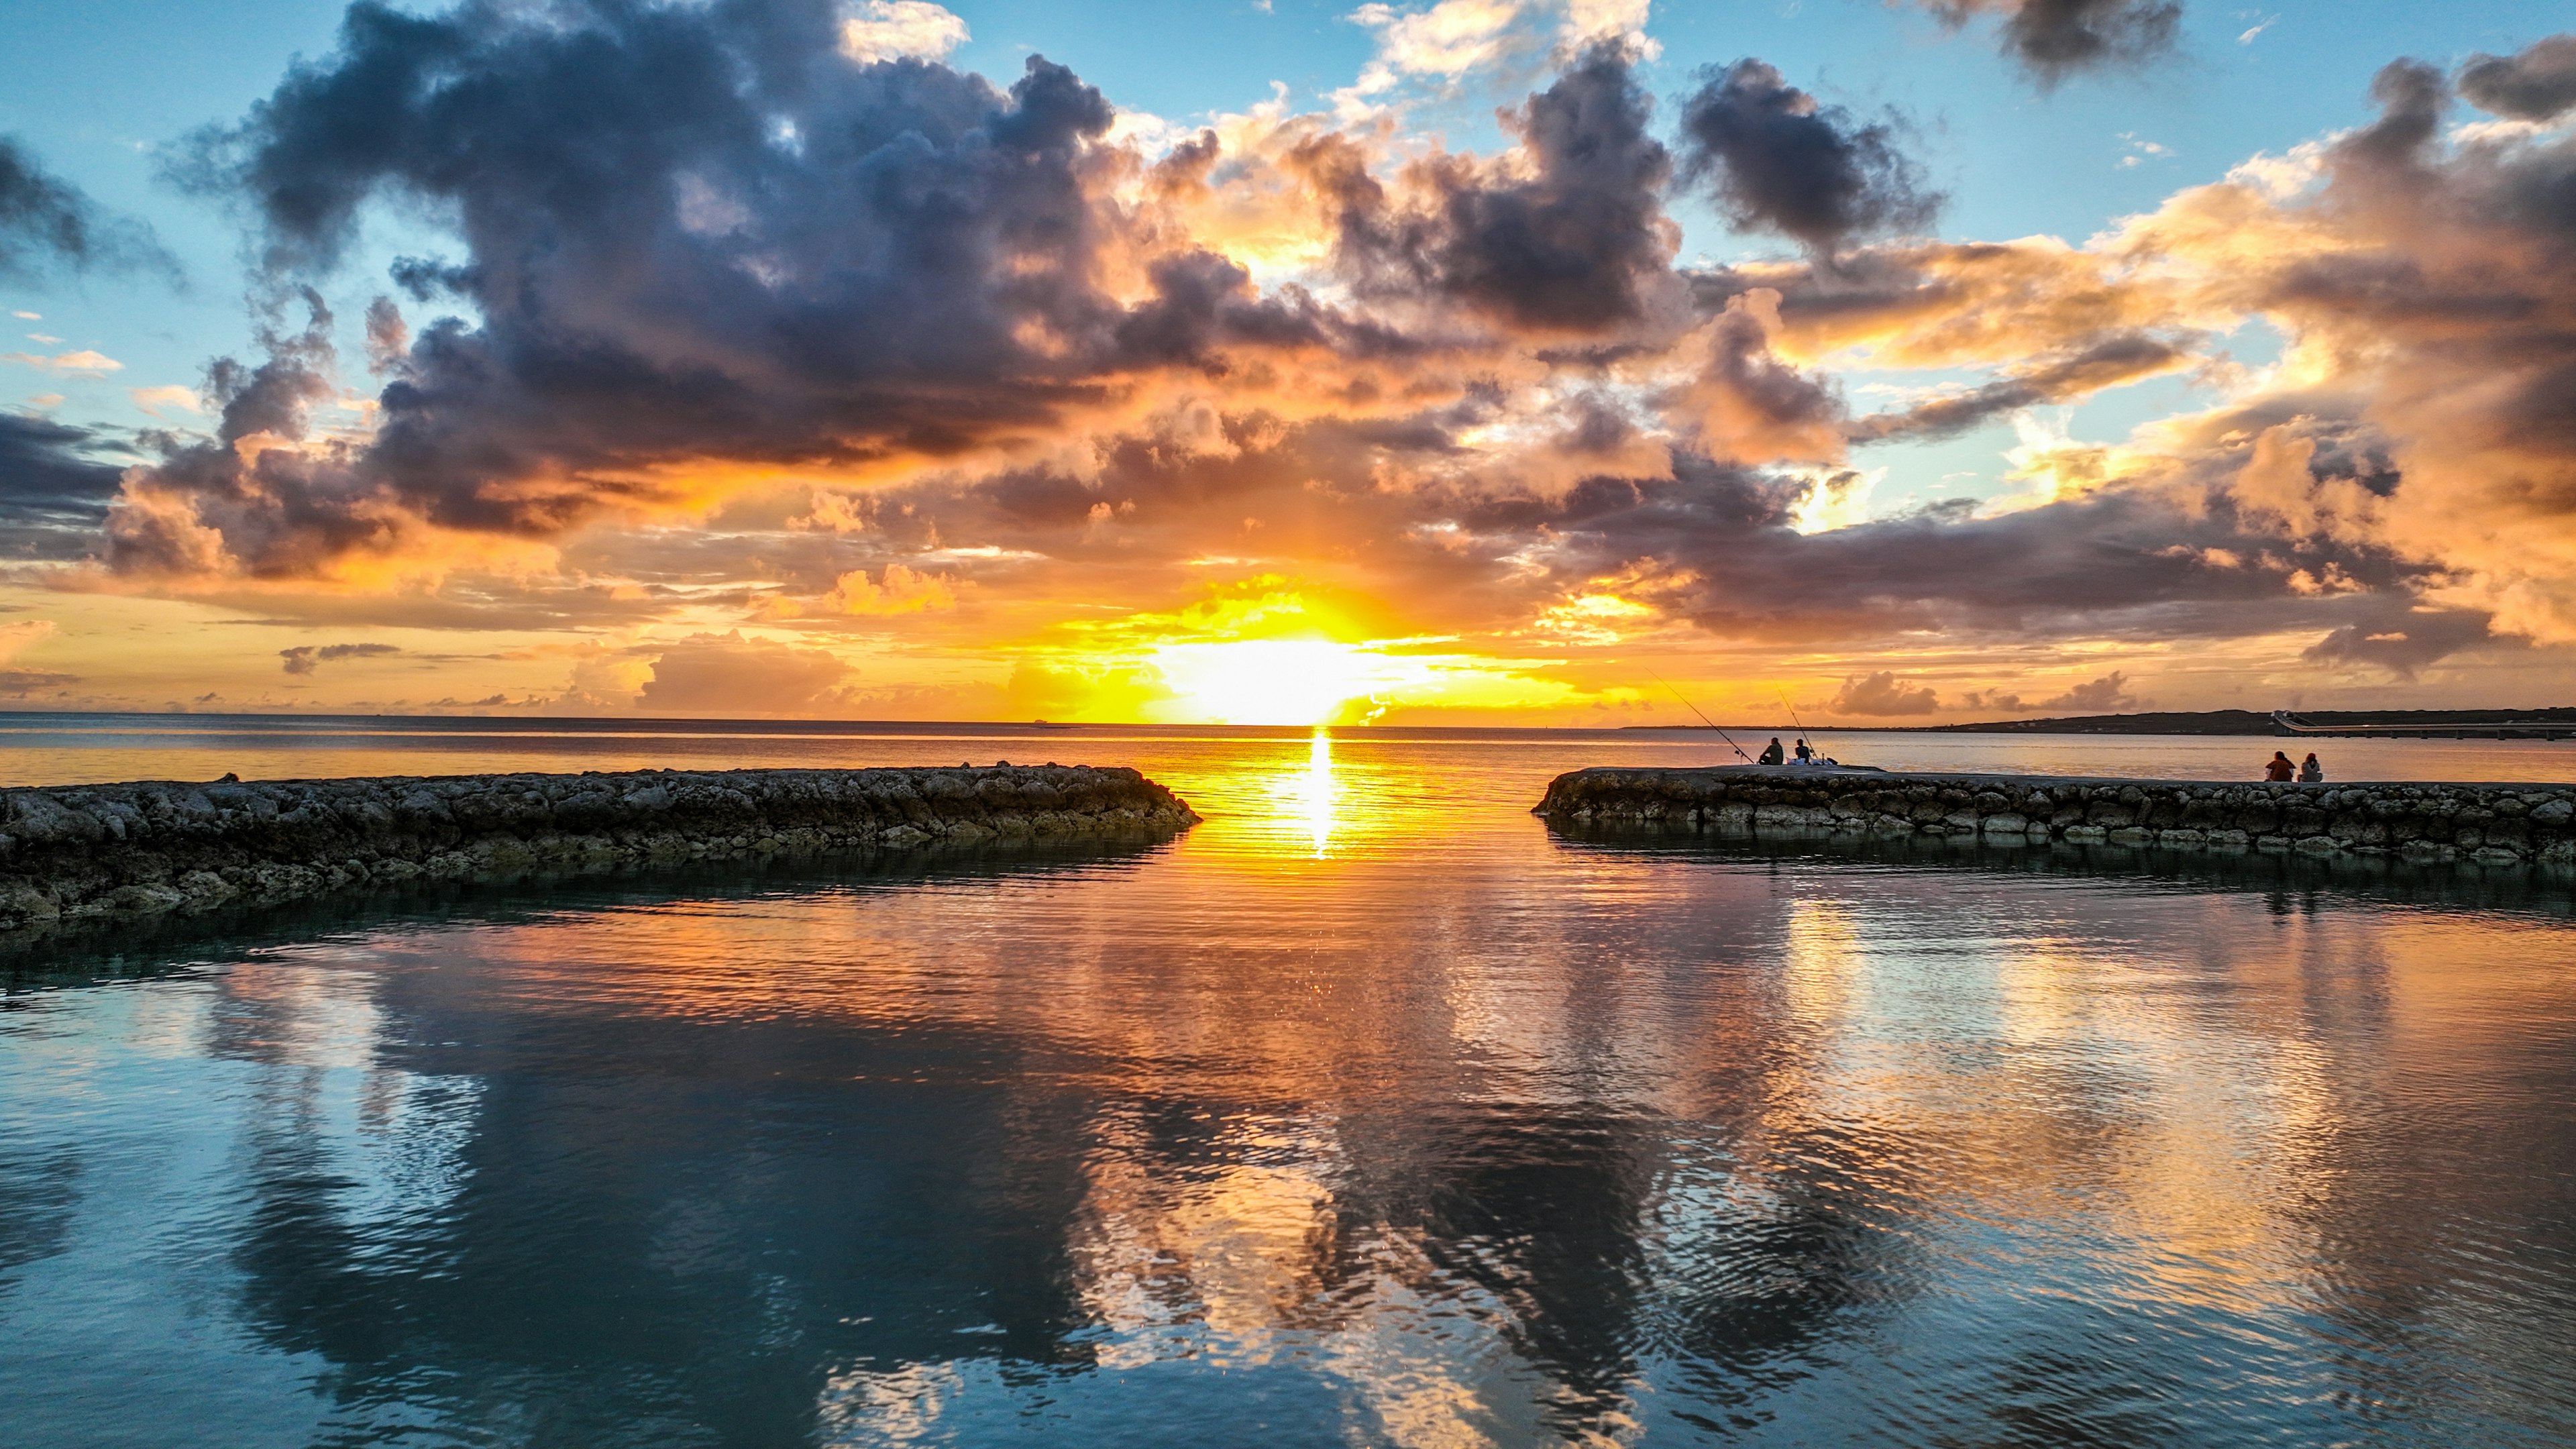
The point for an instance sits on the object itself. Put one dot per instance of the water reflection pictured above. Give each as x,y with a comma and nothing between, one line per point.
1413,1126
1315,792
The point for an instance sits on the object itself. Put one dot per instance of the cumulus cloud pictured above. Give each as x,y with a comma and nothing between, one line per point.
693,237
1777,160
883,30
2402,643
2053,38
306,658
895,590
1447,40
727,674
2109,694
46,223
2532,85
54,488
15,638
1882,694
1570,235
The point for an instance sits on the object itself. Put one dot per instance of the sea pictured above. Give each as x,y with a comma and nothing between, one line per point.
1368,1112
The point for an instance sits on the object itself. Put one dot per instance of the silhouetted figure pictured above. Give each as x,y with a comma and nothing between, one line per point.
1806,756
1773,755
2310,772
2280,769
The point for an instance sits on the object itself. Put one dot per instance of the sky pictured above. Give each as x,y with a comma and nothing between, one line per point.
1545,362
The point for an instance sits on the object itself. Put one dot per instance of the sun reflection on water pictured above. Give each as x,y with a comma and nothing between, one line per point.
1314,792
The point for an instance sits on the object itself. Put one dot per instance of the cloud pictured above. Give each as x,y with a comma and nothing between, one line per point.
153,399
1776,160
1882,693
2402,644
47,223
20,683
306,658
884,30
726,674
709,242
1448,40
53,488
2535,84
2109,694
896,590
1570,236
15,638
84,363
2055,38
2121,357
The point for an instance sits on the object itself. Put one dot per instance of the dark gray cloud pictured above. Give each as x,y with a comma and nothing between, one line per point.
47,223
2534,84
1571,246
2115,359
2411,97
2053,38
53,487
2402,640
305,658
691,232
1777,160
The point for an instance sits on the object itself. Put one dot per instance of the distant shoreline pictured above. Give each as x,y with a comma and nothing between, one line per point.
2244,723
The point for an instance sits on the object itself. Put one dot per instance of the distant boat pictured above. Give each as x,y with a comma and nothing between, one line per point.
1045,725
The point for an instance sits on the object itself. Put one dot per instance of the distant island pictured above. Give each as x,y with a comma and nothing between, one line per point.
2201,722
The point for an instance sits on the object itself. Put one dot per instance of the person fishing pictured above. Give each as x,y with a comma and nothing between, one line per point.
1806,755
2279,770
2310,772
1773,755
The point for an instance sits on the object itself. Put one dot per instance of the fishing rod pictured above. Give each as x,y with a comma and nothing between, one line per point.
1792,709
1703,719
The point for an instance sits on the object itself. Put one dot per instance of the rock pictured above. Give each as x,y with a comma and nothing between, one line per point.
2419,820
108,851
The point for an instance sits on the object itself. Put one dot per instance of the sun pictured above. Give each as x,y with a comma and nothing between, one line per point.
1267,681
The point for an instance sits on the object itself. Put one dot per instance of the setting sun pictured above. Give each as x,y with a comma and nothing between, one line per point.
1269,681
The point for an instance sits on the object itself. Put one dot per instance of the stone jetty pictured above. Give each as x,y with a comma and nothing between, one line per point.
2490,823
76,852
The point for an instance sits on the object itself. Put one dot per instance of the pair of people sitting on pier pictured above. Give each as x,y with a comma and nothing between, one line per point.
1807,754
2280,771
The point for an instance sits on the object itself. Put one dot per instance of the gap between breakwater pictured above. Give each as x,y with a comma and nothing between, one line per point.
90,852
2496,824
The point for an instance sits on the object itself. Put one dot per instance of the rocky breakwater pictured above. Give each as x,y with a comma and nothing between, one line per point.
2492,823
101,851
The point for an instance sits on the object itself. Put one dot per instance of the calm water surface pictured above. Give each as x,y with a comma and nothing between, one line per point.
1367,1113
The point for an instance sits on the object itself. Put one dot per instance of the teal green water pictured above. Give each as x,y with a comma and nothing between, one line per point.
1367,1113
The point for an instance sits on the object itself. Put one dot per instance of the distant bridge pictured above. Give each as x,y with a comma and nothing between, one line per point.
2286,723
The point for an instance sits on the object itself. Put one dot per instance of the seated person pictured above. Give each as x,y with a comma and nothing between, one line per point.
2278,769
2310,772
1806,756
1774,755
